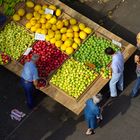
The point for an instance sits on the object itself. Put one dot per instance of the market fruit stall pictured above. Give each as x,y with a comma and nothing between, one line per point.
72,58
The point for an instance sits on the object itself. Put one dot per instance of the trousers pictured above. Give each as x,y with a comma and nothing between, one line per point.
28,89
136,87
116,82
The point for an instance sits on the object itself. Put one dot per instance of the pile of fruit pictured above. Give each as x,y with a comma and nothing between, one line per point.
9,6
92,51
41,83
73,77
4,59
50,57
66,34
14,40
106,73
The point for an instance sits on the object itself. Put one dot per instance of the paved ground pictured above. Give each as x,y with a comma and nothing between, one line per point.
50,120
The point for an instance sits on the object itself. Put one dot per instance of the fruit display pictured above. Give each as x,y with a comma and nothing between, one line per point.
4,59
41,83
106,73
92,51
73,78
66,34
14,40
9,6
50,57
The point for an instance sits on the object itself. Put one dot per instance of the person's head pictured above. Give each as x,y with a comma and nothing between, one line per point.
35,58
97,98
138,39
109,51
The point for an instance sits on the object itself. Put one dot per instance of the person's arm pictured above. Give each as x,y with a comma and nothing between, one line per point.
35,78
136,59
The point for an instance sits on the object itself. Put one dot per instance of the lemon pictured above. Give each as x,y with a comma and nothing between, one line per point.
47,38
50,33
82,35
53,20
81,26
42,20
63,47
57,32
37,25
48,25
75,28
41,11
43,16
69,30
54,27
43,26
33,28
88,30
16,17
59,24
58,12
30,4
33,21
48,16
38,30
44,31
64,37
57,36
21,12
66,22
53,7
36,15
76,34
28,25
69,34
68,42
53,40
29,16
58,43
37,7
63,30
77,40
44,7
74,45
69,50
73,21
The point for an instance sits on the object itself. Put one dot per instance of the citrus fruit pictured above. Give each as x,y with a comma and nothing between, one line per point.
74,45
58,12
48,25
88,30
63,30
16,17
64,37
21,12
37,7
36,15
44,7
41,11
53,40
81,26
69,34
59,24
66,22
57,36
47,38
43,26
77,40
29,4
63,47
73,21
29,16
42,20
69,50
53,20
68,42
53,7
69,30
82,35
44,31
38,30
75,28
54,27
76,34
48,16
28,25
37,25
33,28
58,43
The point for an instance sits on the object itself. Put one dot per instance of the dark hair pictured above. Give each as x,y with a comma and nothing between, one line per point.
109,51
137,52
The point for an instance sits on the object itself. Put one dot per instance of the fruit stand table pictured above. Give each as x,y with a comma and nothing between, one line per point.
77,106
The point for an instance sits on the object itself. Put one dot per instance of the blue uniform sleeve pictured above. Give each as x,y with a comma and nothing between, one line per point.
98,112
35,75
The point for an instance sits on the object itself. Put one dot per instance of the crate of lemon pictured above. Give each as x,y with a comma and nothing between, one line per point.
66,34
73,78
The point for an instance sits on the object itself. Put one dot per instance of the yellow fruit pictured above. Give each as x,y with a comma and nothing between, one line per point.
21,12
74,45
69,30
44,31
77,40
73,21
37,7
28,25
44,7
29,16
57,32
58,43
54,27
41,12
59,24
53,7
48,16
43,16
66,22
33,21
33,28
82,35
30,4
63,30
58,12
75,28
37,25
38,30
57,36
64,37
43,26
50,33
48,25
42,20
53,20
47,38
76,34
88,30
69,50
63,47
69,34
53,40
16,17
81,26
68,42
36,15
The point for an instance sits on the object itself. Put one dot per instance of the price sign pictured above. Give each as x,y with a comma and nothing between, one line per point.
117,43
39,36
27,51
49,11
